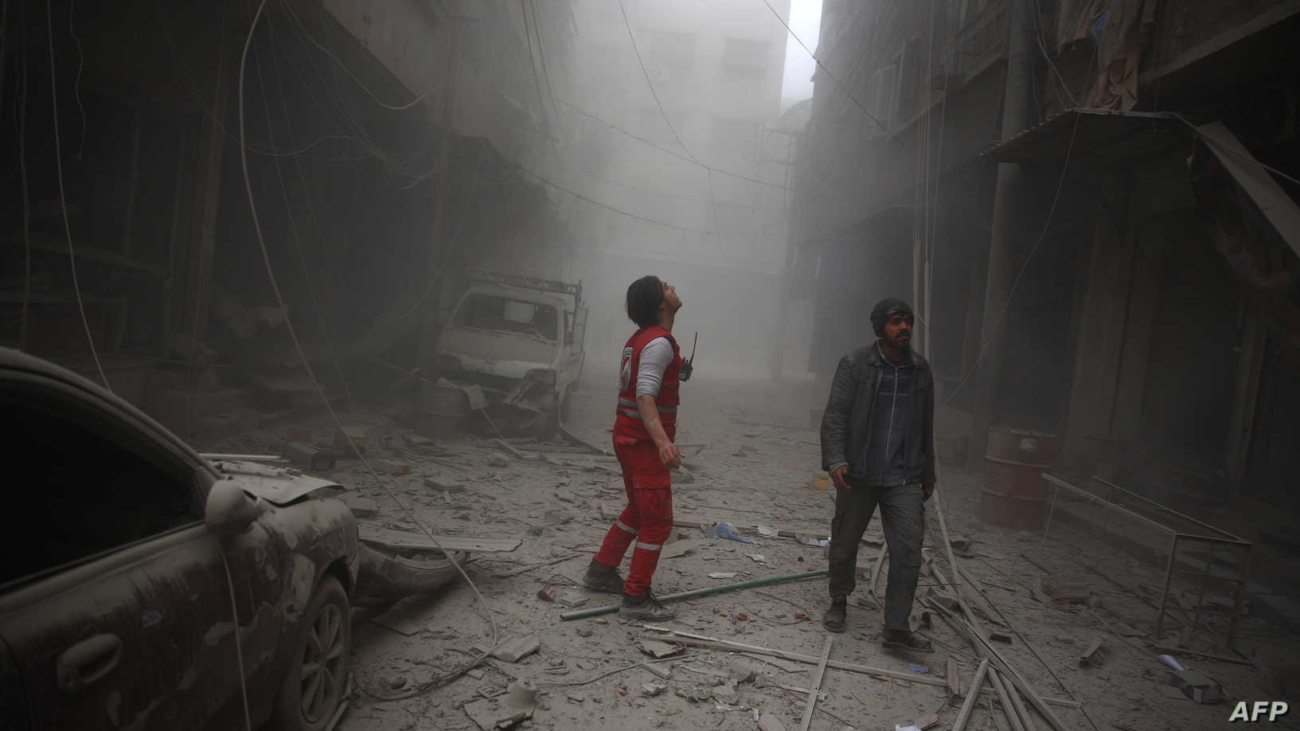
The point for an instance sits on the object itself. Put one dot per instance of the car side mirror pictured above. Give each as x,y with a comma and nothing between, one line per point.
229,510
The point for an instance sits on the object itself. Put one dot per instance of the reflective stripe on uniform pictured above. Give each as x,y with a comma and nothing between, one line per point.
648,546
620,525
629,412
667,409
627,402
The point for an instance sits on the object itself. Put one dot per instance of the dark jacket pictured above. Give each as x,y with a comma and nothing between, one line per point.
847,420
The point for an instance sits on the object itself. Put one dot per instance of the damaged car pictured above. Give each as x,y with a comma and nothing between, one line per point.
519,341
145,586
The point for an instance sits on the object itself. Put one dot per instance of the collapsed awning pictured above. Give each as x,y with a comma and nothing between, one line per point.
1101,137
1255,181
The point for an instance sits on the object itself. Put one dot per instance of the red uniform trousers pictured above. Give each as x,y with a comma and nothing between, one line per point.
648,517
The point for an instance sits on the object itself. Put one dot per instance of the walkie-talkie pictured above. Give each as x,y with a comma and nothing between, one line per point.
689,366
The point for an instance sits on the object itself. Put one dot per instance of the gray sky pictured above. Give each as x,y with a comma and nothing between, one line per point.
805,21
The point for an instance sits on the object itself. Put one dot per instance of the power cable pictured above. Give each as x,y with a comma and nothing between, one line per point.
632,36
674,153
650,84
63,200
21,107
188,83
1060,184
270,273
608,207
451,247
76,85
293,224
348,71
239,650
829,75
532,57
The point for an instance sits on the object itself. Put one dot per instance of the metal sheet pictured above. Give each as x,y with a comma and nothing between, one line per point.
276,485
1104,137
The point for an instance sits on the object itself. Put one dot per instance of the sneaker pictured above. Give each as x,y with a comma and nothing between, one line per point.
602,578
644,608
836,618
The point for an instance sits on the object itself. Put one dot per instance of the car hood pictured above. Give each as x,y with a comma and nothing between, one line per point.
276,485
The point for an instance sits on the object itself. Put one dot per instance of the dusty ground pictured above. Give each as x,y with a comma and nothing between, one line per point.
757,469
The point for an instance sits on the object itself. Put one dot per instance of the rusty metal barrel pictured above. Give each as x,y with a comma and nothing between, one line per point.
1014,494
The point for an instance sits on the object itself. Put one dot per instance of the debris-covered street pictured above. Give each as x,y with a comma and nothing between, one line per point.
788,365
543,510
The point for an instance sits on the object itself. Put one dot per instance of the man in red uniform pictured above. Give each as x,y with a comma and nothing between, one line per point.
644,428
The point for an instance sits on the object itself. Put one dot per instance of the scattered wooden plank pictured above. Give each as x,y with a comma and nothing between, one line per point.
712,643
816,684
1005,700
954,680
530,567
390,538
975,685
1206,655
1019,705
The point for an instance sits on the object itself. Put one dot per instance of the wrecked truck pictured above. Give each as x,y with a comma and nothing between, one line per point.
517,340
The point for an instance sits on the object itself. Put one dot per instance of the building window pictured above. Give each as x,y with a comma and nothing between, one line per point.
882,91
746,58
673,50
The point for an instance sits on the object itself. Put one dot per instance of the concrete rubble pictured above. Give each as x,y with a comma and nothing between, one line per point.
525,529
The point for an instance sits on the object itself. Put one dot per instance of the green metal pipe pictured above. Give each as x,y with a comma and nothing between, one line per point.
707,591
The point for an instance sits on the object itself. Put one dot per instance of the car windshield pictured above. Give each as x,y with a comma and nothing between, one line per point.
491,312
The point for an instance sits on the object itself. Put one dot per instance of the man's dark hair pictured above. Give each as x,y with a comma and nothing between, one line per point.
643,298
886,309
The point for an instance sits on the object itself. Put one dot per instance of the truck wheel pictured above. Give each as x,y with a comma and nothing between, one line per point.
548,423
566,405
317,676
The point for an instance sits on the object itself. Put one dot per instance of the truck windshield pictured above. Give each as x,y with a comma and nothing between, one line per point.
504,314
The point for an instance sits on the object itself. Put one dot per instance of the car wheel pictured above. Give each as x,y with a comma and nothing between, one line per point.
316,679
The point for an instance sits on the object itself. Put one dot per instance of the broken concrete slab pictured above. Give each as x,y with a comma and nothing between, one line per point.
442,487
1196,686
516,649
493,713
357,435
361,507
1090,656
309,456
659,649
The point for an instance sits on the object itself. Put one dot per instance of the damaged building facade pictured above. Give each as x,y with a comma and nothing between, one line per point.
1092,204
390,147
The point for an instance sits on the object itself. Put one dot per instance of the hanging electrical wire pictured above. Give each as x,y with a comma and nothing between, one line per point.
275,288
822,66
1006,306
293,224
348,71
63,200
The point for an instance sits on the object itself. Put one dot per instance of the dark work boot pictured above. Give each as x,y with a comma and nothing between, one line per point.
836,618
602,578
644,608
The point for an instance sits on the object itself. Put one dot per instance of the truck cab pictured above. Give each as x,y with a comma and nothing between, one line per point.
520,339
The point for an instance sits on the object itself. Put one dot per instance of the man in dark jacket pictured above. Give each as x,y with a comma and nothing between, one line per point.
878,446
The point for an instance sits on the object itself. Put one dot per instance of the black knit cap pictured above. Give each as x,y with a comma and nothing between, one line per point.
886,309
